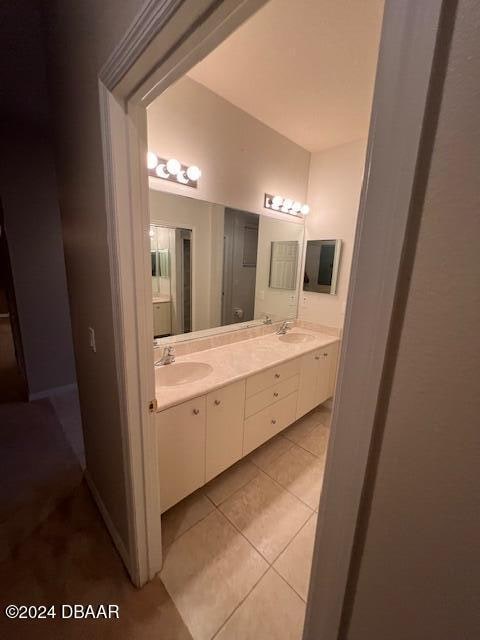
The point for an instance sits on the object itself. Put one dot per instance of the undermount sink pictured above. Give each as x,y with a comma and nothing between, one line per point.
171,375
296,338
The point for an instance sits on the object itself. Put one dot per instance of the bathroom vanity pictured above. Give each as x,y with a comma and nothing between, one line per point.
216,406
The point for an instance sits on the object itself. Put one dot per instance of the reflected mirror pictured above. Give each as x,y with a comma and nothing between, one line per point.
214,266
322,259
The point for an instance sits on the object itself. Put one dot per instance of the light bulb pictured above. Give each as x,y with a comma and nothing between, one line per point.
160,171
275,206
305,209
173,166
287,203
277,201
285,209
296,206
151,233
181,177
193,173
152,160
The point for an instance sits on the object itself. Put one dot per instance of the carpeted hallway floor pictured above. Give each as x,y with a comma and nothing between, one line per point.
70,559
54,548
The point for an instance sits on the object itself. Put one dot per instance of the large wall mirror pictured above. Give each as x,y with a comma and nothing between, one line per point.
322,260
215,266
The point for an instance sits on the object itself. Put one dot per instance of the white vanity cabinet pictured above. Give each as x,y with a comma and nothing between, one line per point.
317,378
225,414
162,322
200,438
181,450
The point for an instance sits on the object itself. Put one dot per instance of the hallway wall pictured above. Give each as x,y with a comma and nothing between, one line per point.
80,37
30,202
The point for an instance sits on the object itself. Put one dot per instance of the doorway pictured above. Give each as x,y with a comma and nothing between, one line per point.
171,261
13,385
239,266
387,176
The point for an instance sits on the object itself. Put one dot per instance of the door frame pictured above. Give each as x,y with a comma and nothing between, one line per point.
166,39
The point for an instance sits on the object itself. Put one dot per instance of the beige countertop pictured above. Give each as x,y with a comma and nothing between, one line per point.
235,361
163,298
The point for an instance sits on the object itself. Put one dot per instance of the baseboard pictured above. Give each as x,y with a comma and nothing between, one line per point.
53,391
112,530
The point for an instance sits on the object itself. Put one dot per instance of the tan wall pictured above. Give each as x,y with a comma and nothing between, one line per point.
80,37
333,194
419,572
240,157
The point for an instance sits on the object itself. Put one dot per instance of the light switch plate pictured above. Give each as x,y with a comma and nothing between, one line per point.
91,339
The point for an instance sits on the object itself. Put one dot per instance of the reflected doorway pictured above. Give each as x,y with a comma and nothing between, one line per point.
239,266
171,262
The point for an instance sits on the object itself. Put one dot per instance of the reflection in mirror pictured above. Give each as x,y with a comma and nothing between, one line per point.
215,266
283,264
322,260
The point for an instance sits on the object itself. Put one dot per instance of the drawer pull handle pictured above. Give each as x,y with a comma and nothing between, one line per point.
217,402
325,355
196,412
275,394
317,357
274,421
277,375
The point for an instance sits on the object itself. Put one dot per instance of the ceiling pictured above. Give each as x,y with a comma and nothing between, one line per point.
305,68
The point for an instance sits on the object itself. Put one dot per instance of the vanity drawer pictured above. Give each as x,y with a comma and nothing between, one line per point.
268,378
265,398
265,424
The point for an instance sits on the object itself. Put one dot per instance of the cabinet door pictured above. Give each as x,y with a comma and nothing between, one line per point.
323,375
333,353
162,324
308,393
225,411
181,450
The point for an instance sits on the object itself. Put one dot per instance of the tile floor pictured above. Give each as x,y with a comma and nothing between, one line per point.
237,553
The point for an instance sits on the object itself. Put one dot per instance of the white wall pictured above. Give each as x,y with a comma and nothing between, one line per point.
417,553
333,194
206,222
241,159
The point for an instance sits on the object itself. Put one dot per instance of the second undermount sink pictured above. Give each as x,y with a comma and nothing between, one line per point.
296,338
174,374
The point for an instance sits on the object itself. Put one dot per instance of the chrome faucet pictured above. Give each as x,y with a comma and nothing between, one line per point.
168,356
284,328
268,319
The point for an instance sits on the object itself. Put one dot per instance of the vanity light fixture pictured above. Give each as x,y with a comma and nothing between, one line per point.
285,205
172,170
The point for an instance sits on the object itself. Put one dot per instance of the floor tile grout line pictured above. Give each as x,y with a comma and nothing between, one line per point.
238,489
251,543
289,585
298,532
205,494
291,541
276,457
187,530
244,536
241,602
259,469
287,490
